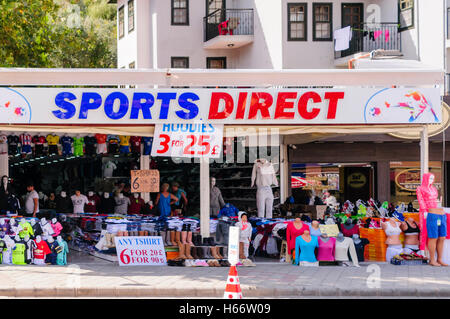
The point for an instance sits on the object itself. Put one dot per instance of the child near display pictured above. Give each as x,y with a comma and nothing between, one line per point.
245,236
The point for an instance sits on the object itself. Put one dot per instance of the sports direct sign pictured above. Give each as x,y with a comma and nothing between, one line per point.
140,251
220,106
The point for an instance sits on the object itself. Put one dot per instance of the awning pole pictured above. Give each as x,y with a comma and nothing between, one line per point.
204,197
424,151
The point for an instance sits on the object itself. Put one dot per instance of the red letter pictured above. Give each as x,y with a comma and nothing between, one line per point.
332,105
242,101
282,105
255,105
214,113
303,105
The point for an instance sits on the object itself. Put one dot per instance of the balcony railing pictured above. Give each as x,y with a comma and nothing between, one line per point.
367,37
237,22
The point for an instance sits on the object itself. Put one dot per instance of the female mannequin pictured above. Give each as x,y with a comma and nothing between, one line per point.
293,230
360,244
5,192
393,231
412,232
327,246
348,229
314,228
305,245
433,221
344,245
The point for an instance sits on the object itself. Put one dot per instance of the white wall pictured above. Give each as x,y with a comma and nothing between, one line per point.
126,46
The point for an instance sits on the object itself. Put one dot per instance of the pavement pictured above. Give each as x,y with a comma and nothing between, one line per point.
87,277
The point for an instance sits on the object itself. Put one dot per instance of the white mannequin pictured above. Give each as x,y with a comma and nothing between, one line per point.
12,222
2,221
136,195
50,239
356,238
38,238
59,239
43,221
263,176
17,238
120,195
54,220
33,222
63,194
23,220
90,193
106,195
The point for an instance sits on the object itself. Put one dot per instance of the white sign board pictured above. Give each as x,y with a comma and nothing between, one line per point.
349,105
233,245
140,251
188,140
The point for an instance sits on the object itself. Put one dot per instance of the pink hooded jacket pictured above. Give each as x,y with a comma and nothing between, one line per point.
427,196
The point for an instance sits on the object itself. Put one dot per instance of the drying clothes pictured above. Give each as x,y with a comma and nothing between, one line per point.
106,206
78,143
343,248
78,203
122,205
263,174
292,233
66,142
342,38
264,201
377,34
92,204
56,228
349,232
64,204
216,201
304,251
360,248
40,252
386,35
326,249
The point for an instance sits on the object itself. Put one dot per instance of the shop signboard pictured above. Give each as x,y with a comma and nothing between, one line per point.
233,245
350,105
145,181
140,251
330,230
188,140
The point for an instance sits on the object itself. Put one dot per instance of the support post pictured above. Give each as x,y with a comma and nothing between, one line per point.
204,197
424,157
145,164
4,164
284,172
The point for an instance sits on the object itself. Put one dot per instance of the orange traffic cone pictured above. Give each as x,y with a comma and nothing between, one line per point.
233,289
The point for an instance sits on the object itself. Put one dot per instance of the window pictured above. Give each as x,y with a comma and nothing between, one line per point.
211,7
130,16
297,19
406,14
121,22
322,21
216,63
180,12
179,62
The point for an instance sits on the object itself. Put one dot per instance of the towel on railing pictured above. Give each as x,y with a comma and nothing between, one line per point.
342,38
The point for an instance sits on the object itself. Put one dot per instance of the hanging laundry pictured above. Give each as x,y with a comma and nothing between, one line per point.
365,33
342,38
386,35
377,34
371,36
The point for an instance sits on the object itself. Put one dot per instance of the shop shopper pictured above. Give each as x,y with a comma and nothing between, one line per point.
181,203
31,201
433,220
164,201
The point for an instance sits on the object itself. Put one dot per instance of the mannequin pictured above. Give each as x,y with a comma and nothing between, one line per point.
113,144
412,233
4,228
360,244
107,204
345,245
314,228
50,258
78,201
263,176
56,226
122,204
46,227
66,142
31,246
93,202
393,231
37,229
433,221
101,143
64,203
245,234
136,204
348,228
7,252
216,201
40,251
62,250
5,192
327,247
305,245
293,230
78,143
27,229
3,144
135,142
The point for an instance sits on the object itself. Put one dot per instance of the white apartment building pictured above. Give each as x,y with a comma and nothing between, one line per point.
280,34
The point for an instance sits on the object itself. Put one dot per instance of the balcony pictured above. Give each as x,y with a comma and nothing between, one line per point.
228,28
368,37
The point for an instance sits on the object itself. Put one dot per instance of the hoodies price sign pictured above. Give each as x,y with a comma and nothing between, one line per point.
188,140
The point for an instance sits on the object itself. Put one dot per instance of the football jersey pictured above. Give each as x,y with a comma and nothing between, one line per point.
135,143
78,142
113,139
101,138
13,140
147,141
41,250
52,139
124,140
39,140
25,139
66,141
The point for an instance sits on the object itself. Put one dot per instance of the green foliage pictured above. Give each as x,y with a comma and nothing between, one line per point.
58,33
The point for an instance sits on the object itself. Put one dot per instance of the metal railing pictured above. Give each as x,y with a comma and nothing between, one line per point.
367,37
240,22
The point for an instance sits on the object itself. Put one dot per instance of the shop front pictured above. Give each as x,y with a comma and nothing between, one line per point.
252,176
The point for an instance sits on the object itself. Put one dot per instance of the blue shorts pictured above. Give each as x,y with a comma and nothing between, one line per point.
433,229
125,149
26,149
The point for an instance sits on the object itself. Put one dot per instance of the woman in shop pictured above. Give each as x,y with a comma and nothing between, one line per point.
294,229
181,203
165,200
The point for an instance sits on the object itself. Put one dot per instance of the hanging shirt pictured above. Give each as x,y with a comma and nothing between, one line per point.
342,38
52,139
90,142
39,140
78,143
25,139
101,138
27,229
135,142
108,169
66,142
124,140
147,141
78,203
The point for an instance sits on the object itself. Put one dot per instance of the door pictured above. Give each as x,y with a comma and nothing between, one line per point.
358,182
214,17
353,15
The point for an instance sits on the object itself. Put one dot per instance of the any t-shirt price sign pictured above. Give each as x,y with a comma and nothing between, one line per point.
140,251
145,181
188,140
